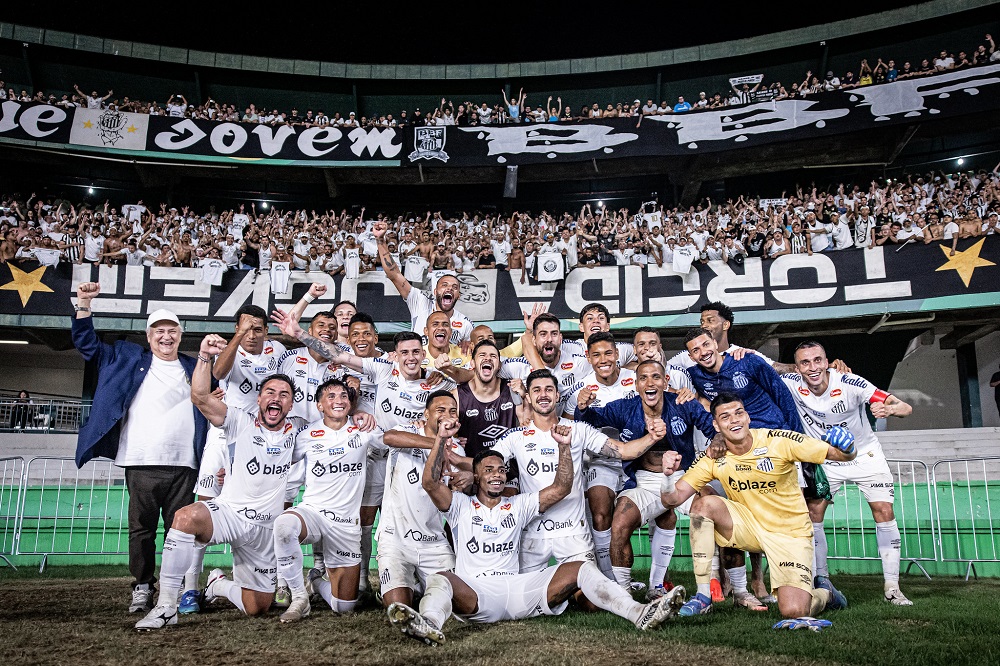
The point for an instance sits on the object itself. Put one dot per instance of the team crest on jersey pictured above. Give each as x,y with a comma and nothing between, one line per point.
509,521
765,465
740,380
803,391
491,414
628,382
839,408
677,426
566,366
354,442
835,393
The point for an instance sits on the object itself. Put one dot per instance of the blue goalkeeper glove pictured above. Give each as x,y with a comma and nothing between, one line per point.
841,438
803,623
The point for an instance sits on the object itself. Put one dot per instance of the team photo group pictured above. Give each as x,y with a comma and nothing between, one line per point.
495,483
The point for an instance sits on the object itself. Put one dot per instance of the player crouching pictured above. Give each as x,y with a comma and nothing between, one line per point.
486,586
765,511
336,455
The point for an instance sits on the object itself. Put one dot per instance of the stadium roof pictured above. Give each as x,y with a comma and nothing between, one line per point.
413,33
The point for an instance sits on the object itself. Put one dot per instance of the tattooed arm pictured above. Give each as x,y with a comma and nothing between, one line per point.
563,482
389,265
434,468
613,448
290,327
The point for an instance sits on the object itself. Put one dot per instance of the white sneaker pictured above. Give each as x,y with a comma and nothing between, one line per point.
161,616
895,596
635,586
297,609
659,610
413,624
214,576
142,599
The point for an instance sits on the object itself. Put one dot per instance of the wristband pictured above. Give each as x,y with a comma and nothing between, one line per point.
308,298
667,484
204,359
81,308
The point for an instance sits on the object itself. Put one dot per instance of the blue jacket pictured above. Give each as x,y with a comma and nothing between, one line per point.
767,400
121,367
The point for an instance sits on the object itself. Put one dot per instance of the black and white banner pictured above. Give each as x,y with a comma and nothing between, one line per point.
946,95
826,285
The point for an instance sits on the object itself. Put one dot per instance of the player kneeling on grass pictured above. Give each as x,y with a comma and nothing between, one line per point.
336,455
486,586
765,511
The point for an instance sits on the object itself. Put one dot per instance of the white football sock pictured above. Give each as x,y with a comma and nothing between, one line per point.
193,575
288,552
622,575
602,542
231,590
366,556
318,562
341,606
738,579
888,539
661,550
820,550
435,605
178,552
605,594
715,563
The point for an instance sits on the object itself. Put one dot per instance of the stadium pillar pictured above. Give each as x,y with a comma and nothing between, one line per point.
659,87
27,66
968,385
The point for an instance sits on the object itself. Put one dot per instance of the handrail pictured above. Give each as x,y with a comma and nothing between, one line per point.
43,416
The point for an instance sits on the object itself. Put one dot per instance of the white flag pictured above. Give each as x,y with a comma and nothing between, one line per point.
551,267
105,128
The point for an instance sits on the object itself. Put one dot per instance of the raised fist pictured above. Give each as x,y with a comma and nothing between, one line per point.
316,290
87,291
585,398
657,428
562,434
212,345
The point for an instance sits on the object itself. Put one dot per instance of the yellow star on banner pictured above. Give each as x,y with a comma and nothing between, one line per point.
88,124
132,129
25,284
965,262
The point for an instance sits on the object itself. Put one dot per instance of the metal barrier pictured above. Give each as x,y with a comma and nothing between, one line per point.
70,511
965,490
850,527
43,416
11,474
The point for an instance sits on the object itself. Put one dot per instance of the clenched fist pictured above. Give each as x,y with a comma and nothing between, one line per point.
87,291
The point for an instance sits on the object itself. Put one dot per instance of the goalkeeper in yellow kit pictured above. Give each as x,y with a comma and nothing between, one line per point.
763,512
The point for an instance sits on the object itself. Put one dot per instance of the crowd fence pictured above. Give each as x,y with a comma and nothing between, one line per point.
49,508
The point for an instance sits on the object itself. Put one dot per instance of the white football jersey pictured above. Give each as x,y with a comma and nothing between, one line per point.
487,541
626,352
398,400
242,384
367,389
307,375
335,463
537,456
422,306
260,460
408,514
843,404
623,388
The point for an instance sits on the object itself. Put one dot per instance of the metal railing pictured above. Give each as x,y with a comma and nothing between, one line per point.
850,527
49,507
43,416
965,492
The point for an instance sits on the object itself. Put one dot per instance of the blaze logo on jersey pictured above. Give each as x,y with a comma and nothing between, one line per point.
566,366
803,391
317,433
835,392
386,406
532,467
319,469
412,476
253,466
473,545
298,395
628,382
508,522
245,386
740,380
677,425
765,465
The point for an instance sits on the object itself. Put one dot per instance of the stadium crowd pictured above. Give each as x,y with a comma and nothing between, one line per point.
922,208
516,108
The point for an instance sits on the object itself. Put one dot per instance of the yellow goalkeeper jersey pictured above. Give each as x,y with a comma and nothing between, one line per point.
764,479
